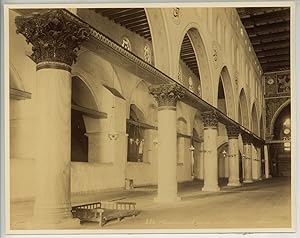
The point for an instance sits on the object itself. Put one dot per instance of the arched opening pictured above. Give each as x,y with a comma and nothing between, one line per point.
221,98
193,54
261,127
189,75
83,108
243,107
225,94
223,162
135,131
254,120
183,141
281,152
196,149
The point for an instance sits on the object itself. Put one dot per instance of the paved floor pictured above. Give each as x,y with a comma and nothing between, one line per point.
262,204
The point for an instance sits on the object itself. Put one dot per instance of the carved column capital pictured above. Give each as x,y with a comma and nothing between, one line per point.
209,119
247,138
167,95
233,131
55,37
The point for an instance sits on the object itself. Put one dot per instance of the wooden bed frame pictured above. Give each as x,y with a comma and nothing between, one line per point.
102,212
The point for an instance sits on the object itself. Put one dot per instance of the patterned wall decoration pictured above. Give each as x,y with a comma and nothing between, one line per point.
277,92
277,84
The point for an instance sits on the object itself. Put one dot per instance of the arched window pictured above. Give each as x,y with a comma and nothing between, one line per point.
135,131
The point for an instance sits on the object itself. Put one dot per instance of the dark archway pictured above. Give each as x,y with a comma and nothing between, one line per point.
243,107
221,98
82,102
280,153
136,135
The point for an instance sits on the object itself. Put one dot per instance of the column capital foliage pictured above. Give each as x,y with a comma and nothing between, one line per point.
167,94
247,138
233,131
55,36
210,119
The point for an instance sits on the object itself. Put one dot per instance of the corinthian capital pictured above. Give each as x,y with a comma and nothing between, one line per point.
247,138
233,131
55,36
209,119
166,94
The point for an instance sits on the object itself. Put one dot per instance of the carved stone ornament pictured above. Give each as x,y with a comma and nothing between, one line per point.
126,43
54,35
147,54
176,11
209,119
232,131
167,94
215,51
175,15
247,138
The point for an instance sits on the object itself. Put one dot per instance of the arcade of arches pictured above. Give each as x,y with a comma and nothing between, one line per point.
135,98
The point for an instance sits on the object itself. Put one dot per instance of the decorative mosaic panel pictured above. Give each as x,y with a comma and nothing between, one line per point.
277,84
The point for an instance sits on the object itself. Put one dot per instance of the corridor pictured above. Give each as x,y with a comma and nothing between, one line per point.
262,204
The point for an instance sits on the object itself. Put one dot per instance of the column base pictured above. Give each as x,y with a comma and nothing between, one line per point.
211,188
160,199
248,181
234,184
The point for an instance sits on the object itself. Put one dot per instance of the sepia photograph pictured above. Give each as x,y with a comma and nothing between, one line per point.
149,118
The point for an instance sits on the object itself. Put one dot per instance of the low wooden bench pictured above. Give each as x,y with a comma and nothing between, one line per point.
102,212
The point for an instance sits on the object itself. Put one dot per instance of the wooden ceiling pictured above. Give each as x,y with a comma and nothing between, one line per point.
267,27
269,31
188,56
134,19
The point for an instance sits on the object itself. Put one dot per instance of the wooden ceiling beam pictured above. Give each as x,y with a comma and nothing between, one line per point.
124,13
190,57
270,37
140,26
277,58
131,16
275,64
268,28
272,45
134,22
249,11
285,50
267,17
133,19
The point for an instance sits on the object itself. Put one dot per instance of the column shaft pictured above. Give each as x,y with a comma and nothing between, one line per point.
233,155
247,164
53,151
267,171
210,152
167,156
166,96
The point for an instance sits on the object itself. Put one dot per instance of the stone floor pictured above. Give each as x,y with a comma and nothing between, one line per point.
262,204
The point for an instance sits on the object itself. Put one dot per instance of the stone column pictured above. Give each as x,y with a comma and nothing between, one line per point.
201,169
167,96
267,170
259,173
55,37
210,122
247,158
254,162
233,155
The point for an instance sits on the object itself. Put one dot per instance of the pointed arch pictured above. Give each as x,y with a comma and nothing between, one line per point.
254,119
243,105
193,32
277,113
225,81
